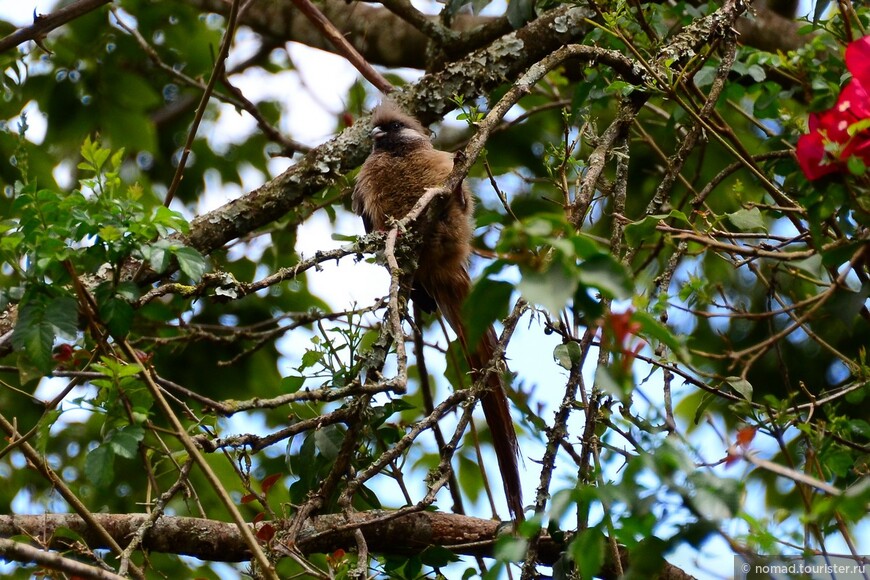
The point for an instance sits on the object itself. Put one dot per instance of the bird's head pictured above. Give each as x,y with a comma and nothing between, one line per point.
395,132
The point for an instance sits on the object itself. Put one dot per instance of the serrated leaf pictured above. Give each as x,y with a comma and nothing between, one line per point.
118,316
100,466
34,334
158,256
125,442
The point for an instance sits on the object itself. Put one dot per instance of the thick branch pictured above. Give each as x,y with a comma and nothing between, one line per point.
378,34
393,40
471,77
221,542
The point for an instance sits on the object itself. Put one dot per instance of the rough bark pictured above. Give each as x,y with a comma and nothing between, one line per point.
220,541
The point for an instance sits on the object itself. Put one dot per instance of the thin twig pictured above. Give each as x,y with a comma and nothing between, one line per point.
216,74
12,550
341,44
43,24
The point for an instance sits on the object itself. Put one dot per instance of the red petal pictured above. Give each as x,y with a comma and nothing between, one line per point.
810,154
854,101
858,59
745,436
834,125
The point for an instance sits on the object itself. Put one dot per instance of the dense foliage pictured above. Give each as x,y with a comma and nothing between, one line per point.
642,216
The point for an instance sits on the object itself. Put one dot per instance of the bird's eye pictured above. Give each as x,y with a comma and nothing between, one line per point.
394,126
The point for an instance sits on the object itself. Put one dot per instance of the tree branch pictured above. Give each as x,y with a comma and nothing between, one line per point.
221,541
43,24
10,550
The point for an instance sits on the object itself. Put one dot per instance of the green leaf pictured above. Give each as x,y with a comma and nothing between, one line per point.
705,76
706,399
650,328
100,466
747,220
509,549
110,233
157,255
519,12
715,498
118,316
437,556
838,461
587,550
191,262
640,232
856,165
43,433
821,6
647,558
310,358
551,289
38,325
567,355
606,274
291,384
812,265
62,313
328,441
489,301
757,73
742,386
125,442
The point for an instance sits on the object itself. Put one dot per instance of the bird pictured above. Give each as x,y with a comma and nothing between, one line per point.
403,163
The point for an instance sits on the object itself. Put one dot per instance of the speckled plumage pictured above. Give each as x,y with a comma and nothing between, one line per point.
402,165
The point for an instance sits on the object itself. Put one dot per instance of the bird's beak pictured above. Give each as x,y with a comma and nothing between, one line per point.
377,132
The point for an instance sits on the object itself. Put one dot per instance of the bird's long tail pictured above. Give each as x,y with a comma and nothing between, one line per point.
450,295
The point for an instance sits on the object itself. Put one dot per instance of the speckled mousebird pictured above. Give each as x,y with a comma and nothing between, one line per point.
402,165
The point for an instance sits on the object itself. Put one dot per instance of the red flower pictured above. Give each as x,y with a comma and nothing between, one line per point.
858,58
811,156
828,144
